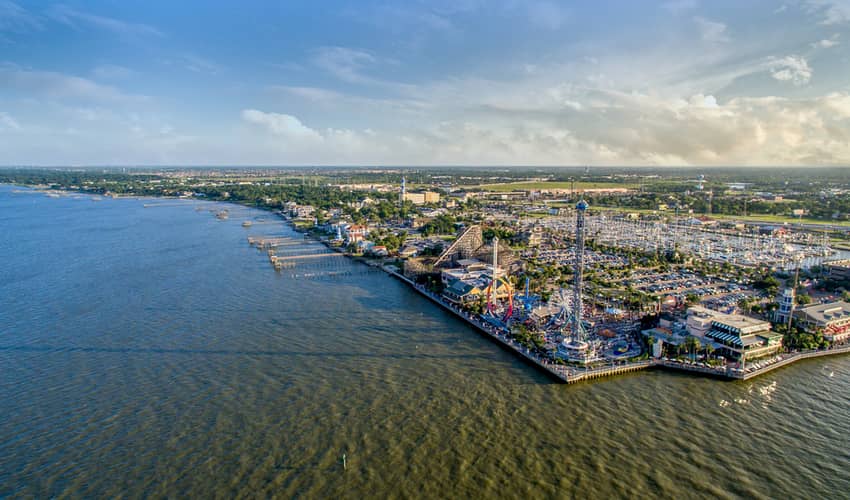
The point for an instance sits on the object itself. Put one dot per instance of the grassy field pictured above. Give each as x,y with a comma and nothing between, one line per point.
780,219
773,219
530,185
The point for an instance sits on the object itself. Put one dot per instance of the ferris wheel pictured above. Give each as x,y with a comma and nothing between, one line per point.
561,305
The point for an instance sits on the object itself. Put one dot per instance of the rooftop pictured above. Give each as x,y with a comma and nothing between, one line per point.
737,322
824,313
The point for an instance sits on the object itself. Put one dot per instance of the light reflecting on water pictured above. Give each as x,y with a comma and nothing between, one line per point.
152,352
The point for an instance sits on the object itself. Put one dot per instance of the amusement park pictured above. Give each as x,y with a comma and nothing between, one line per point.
480,279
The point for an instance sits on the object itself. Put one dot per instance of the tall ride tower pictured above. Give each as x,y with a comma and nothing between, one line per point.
578,327
401,199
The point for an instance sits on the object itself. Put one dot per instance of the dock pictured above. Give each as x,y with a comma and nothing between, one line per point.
267,243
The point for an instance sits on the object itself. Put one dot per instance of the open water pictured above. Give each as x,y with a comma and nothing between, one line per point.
151,352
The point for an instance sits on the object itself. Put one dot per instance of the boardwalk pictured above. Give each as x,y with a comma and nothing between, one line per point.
562,373
571,374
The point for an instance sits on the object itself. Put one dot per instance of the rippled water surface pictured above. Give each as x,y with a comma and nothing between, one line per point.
153,352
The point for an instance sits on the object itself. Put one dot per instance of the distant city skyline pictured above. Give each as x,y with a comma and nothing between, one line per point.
463,82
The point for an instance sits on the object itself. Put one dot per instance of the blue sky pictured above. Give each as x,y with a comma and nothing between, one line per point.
464,82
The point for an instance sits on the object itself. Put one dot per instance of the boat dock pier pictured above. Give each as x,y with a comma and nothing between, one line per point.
267,243
563,373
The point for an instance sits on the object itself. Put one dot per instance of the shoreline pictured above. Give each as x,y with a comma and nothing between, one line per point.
562,373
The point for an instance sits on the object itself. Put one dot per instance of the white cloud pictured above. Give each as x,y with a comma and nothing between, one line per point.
194,63
199,64
16,19
547,15
711,31
794,69
112,72
78,19
7,122
60,86
609,128
830,11
284,126
827,43
344,63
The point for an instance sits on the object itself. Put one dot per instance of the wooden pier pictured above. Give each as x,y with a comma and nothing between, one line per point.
266,243
284,258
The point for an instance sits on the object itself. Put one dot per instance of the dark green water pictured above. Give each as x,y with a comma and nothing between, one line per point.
152,352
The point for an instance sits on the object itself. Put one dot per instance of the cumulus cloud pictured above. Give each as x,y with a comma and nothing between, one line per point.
794,69
610,128
284,126
827,43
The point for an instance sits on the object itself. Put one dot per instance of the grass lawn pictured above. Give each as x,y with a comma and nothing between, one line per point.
531,185
775,219
781,219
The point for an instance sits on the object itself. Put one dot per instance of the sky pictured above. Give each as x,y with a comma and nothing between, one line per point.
425,82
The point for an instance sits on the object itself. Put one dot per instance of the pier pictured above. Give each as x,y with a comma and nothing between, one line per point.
266,243
284,258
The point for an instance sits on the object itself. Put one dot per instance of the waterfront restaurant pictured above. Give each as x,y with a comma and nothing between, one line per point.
465,291
742,337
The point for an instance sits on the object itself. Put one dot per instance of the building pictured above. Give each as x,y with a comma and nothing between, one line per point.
534,237
838,270
422,198
699,321
303,211
379,251
786,305
735,335
462,292
832,318
356,232
470,281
